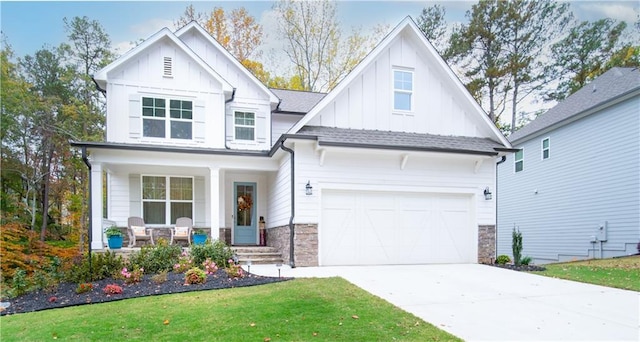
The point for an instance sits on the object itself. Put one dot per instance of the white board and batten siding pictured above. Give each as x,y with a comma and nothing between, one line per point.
592,176
367,102
279,196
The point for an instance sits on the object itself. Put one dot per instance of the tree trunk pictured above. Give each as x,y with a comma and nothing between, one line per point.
46,184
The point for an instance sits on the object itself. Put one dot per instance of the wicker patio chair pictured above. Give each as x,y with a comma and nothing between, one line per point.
138,231
182,230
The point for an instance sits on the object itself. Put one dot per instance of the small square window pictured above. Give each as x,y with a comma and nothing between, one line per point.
519,160
545,148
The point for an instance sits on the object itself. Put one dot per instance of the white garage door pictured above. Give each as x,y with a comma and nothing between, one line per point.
390,228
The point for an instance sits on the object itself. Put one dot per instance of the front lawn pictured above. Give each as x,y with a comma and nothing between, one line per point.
329,309
623,273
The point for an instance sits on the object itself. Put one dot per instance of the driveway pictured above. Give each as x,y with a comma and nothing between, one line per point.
484,303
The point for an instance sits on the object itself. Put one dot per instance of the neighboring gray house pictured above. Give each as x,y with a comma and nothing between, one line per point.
573,189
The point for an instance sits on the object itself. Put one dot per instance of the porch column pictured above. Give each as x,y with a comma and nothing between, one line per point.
214,191
96,206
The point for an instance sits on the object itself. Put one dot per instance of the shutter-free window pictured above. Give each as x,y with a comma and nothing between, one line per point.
545,148
519,160
402,90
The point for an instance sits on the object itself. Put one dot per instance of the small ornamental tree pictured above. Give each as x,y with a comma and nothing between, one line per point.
516,246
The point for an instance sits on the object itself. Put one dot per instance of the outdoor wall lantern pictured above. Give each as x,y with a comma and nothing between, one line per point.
487,194
309,189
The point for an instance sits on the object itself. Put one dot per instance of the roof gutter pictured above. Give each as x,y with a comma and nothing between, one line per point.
100,89
495,248
406,148
85,159
292,262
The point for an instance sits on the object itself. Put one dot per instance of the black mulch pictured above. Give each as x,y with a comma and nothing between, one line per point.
525,268
65,294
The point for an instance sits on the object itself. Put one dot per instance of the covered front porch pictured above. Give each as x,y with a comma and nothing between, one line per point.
226,194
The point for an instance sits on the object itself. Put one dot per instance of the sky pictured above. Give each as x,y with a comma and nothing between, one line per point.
30,25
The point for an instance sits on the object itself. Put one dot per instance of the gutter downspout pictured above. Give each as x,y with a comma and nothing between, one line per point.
85,159
502,160
293,206
233,96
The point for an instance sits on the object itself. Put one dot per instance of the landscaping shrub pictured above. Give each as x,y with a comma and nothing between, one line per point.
217,251
516,246
234,270
155,259
525,261
159,278
209,266
195,276
133,276
112,289
503,259
84,287
185,262
103,265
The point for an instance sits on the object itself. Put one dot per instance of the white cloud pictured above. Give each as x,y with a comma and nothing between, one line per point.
626,11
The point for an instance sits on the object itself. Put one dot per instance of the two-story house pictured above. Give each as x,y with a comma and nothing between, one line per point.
394,166
573,187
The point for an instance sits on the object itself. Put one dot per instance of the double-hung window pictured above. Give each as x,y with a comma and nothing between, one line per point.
156,123
519,160
402,90
245,125
164,199
545,148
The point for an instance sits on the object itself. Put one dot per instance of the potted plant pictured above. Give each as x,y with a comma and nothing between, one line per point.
199,236
114,237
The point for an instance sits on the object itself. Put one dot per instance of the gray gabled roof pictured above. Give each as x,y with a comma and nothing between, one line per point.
607,87
331,136
295,101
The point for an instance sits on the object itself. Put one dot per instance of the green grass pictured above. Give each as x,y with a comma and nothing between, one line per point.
622,273
329,309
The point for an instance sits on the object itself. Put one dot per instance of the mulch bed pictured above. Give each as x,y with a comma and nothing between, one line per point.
65,294
524,268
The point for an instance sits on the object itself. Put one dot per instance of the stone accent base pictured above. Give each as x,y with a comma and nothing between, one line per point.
486,244
305,243
225,235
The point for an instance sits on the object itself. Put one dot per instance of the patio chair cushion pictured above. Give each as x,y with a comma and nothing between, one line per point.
181,231
138,231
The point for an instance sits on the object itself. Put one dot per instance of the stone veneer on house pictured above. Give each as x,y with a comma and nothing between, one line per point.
305,243
486,244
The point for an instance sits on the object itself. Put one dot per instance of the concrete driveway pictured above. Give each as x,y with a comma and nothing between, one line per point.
484,303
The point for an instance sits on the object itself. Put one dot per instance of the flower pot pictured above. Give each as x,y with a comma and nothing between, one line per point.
199,239
114,242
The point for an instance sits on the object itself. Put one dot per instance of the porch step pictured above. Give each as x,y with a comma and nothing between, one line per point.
257,255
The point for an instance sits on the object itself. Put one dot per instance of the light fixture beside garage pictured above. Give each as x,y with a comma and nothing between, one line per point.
309,189
487,194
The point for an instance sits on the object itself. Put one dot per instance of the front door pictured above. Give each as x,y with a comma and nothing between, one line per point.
244,222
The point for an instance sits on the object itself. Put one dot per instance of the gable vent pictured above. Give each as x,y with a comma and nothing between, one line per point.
168,67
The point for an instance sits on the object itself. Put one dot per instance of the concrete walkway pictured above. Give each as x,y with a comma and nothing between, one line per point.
484,303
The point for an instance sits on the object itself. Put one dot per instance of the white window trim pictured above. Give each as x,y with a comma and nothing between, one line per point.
515,161
255,121
167,117
542,149
167,200
394,90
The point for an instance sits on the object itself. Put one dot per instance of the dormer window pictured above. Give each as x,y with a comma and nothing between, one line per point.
167,67
155,122
402,90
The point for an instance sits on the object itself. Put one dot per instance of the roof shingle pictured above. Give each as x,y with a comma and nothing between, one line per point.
294,101
608,86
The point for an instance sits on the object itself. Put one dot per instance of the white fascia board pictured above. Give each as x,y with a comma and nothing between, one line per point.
101,75
195,26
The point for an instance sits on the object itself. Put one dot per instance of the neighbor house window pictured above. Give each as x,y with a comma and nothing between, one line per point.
520,160
402,90
545,148
164,199
156,123
245,125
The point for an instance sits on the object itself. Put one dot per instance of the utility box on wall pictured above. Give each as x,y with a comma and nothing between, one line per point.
601,234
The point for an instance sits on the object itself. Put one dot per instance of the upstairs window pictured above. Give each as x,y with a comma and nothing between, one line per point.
402,90
156,124
245,125
519,160
545,148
